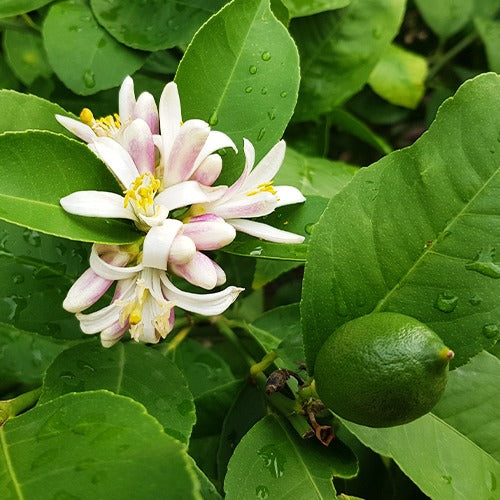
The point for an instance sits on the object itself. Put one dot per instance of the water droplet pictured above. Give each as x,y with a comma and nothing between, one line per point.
84,366
262,132
271,114
261,492
256,251
252,69
223,152
185,408
214,119
377,32
89,79
446,302
32,237
67,375
491,331
16,305
163,405
447,479
102,43
266,56
248,89
17,278
283,93
308,227
263,90
493,482
484,263
274,460
475,300
61,249
3,241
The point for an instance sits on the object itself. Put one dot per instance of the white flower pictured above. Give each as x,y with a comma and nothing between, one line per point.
253,195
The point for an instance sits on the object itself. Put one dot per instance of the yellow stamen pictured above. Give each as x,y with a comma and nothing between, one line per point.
86,116
142,192
135,316
264,187
196,210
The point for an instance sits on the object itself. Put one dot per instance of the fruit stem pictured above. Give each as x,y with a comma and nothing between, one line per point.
287,408
446,354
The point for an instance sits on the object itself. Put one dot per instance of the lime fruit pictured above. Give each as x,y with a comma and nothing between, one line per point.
382,369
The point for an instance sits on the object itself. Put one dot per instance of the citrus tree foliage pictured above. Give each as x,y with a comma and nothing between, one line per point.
391,115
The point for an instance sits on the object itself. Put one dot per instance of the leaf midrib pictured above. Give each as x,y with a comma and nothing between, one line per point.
10,468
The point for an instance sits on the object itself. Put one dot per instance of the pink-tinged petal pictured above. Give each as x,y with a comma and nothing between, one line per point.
209,304
241,181
181,195
158,242
265,231
111,335
110,272
84,132
199,271
188,143
182,250
221,275
209,170
209,234
170,116
97,204
268,167
257,205
216,140
138,141
288,195
147,110
124,288
126,100
117,159
90,287
214,193
99,320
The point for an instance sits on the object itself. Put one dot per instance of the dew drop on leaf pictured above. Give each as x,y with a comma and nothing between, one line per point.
17,278
89,79
274,461
484,263
248,89
262,132
252,69
263,90
446,302
271,114
283,93
447,479
491,331
261,492
32,237
475,300
308,227
266,56
16,305
256,251
214,119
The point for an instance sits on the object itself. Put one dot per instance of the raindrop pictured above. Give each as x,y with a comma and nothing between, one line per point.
263,90
493,482
274,461
256,251
248,89
67,376
17,278
32,237
446,302
61,249
447,479
185,408
308,227
491,331
483,263
84,366
475,300
74,28
261,492
214,119
262,132
377,32
252,69
223,152
102,43
266,56
89,79
283,93
3,241
271,114
16,304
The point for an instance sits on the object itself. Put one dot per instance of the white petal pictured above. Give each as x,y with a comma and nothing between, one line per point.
158,242
111,335
84,132
198,271
99,320
97,204
182,250
268,167
216,140
209,170
138,141
181,195
110,272
209,233
257,205
118,160
126,100
214,193
170,116
209,304
147,110
265,231
221,275
288,195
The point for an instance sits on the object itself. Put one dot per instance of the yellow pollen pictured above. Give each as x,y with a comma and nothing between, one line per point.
264,187
196,210
86,116
142,191
135,317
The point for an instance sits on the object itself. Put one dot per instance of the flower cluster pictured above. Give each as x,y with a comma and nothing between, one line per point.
166,168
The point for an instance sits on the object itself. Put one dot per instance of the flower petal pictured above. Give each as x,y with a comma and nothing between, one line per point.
209,304
265,231
216,140
84,132
181,195
99,320
209,233
111,335
158,242
97,204
198,271
241,181
126,100
288,195
170,116
182,250
268,167
138,141
209,170
110,272
257,205
147,110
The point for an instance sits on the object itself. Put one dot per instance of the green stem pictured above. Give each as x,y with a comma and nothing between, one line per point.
12,407
27,19
287,408
229,334
264,364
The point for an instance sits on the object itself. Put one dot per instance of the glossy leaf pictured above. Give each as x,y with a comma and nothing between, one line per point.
15,7
268,270
38,169
298,219
83,55
80,443
338,50
302,8
242,59
415,232
446,17
129,369
273,461
154,25
207,488
25,55
399,77
23,111
7,78
489,30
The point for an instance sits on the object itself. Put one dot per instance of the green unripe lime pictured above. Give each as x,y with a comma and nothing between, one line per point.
382,369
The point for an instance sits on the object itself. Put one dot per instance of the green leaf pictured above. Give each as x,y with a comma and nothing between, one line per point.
7,78
302,8
78,444
338,50
82,53
273,461
25,55
471,405
268,270
15,7
22,112
207,488
298,219
489,30
24,356
131,370
414,233
399,77
314,176
38,169
156,25
240,73
446,17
